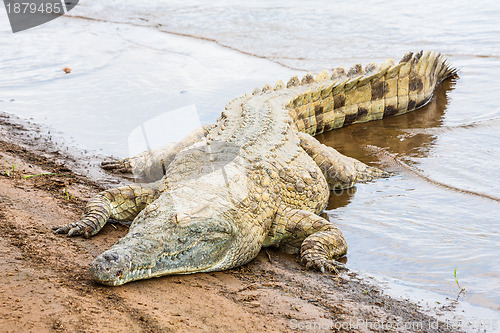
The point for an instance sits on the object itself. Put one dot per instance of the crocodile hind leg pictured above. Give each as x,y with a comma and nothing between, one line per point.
320,242
341,171
151,165
122,204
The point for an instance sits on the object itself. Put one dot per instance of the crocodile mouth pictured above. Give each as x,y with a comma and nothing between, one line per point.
118,266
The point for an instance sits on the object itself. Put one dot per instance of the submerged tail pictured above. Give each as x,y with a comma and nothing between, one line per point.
370,94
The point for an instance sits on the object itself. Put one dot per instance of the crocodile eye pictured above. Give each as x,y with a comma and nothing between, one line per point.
119,273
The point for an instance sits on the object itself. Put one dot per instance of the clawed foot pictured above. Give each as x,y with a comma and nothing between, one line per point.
323,265
122,166
79,228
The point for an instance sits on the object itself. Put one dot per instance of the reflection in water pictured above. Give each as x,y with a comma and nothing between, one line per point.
340,198
390,134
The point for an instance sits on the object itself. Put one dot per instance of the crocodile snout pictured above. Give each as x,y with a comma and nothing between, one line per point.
109,268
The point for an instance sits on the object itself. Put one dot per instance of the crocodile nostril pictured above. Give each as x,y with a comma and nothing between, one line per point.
110,256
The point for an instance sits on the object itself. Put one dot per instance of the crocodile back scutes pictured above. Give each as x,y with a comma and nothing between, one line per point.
371,94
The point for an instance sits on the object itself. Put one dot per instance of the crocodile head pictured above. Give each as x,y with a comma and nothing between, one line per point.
155,247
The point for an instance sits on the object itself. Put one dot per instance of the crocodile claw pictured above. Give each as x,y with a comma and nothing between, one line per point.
323,265
122,166
73,229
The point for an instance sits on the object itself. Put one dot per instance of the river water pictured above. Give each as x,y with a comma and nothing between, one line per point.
132,62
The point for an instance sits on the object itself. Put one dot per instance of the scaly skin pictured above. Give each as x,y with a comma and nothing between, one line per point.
255,178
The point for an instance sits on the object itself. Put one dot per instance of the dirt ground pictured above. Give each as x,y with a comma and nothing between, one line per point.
45,286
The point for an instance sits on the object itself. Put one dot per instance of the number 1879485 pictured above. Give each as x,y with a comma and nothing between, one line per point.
34,7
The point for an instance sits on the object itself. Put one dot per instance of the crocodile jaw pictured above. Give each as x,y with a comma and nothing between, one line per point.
177,251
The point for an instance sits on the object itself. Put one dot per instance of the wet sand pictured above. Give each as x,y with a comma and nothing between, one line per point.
44,284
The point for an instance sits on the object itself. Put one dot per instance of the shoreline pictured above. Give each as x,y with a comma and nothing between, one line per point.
45,285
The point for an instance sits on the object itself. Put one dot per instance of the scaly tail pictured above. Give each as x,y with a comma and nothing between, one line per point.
372,94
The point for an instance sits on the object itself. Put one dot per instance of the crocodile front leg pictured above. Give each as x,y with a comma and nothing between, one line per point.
341,171
122,204
320,241
151,165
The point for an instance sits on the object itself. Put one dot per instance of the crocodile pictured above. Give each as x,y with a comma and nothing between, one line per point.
255,178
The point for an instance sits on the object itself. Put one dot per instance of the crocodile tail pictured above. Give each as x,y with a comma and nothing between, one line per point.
370,94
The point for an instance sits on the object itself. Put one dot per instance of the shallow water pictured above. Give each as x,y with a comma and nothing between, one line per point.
135,61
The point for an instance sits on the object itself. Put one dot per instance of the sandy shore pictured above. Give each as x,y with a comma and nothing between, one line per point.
44,284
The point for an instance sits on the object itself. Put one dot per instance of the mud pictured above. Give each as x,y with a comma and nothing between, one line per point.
45,286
